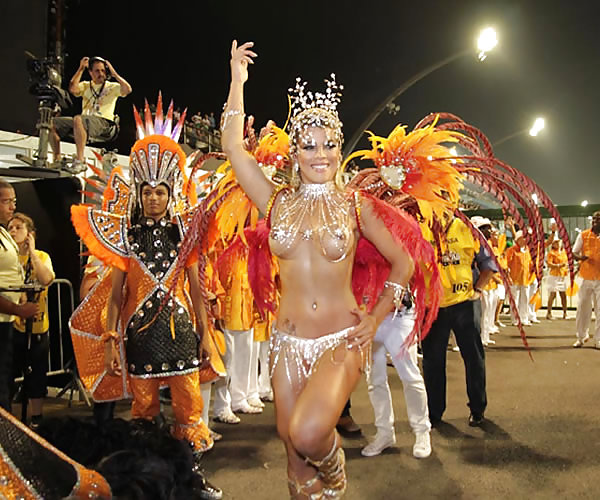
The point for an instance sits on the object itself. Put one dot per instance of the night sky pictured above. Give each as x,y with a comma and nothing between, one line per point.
545,64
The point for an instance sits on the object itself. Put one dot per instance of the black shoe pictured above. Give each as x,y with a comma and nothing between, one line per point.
475,419
435,421
347,425
36,421
207,490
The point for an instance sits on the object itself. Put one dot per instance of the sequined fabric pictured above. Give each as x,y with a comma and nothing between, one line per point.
31,468
164,343
318,212
301,355
187,406
87,324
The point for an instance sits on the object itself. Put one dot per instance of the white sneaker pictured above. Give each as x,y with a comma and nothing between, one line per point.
456,348
255,402
268,396
494,329
579,343
491,342
422,446
227,417
246,408
500,324
380,442
535,320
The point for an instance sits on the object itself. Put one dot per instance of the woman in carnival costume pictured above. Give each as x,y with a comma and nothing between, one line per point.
332,242
320,342
150,331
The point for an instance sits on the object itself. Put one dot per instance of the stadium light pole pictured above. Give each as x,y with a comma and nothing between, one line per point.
486,41
538,125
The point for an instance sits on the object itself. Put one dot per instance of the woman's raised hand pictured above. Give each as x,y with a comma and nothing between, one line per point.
240,58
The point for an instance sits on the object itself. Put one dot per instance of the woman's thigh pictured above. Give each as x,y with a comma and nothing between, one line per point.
320,404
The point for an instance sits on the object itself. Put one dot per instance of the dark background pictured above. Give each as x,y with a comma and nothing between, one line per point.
546,64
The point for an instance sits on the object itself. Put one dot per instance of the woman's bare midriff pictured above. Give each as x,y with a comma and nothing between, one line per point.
316,295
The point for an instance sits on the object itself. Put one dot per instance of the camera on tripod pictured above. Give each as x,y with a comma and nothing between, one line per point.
46,81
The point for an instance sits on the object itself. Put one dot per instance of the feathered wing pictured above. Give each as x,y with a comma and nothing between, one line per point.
102,226
227,217
371,268
420,173
481,157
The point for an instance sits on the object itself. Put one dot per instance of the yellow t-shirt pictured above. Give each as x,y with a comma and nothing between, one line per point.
99,100
457,259
557,257
519,265
589,269
40,321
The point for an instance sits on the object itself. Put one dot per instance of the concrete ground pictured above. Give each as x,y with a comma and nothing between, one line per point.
540,439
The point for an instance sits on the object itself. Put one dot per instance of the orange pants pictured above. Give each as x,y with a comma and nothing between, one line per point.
187,406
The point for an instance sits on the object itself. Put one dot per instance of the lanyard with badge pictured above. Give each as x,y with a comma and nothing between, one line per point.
96,95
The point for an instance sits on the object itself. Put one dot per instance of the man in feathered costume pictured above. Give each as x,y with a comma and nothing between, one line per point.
152,329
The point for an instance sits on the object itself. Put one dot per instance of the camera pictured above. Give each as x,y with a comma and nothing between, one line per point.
45,82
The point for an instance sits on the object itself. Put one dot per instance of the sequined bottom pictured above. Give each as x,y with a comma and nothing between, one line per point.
301,355
187,406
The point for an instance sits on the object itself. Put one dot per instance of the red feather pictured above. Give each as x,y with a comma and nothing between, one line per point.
260,268
370,273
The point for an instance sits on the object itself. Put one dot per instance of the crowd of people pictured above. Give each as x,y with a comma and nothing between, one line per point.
164,308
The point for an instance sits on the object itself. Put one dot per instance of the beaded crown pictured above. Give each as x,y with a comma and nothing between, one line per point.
315,109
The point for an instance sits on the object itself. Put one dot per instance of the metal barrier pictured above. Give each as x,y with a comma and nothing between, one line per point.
62,367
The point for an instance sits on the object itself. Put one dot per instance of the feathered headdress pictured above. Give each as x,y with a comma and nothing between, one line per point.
419,164
156,158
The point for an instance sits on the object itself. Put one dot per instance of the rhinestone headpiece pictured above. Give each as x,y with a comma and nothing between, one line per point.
316,109
156,158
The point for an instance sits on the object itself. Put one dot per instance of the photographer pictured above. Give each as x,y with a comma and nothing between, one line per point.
97,110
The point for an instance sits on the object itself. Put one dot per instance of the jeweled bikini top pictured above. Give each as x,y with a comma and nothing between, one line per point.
317,212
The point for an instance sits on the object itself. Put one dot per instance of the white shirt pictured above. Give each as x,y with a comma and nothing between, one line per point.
11,272
578,246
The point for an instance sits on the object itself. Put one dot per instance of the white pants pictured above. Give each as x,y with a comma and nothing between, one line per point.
531,289
232,390
489,300
519,293
253,378
389,338
206,389
588,296
264,381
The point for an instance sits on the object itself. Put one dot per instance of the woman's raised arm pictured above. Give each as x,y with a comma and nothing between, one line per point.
248,173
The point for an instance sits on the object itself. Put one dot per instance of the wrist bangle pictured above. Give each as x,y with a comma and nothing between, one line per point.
227,115
399,292
109,335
